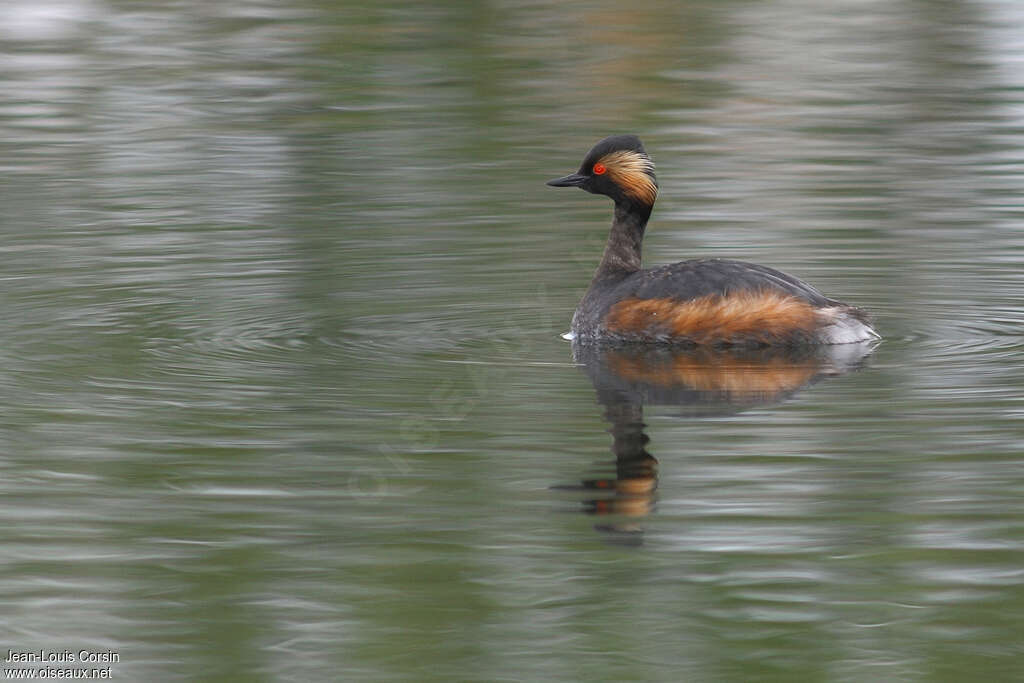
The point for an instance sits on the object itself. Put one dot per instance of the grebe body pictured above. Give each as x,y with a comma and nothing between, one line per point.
712,302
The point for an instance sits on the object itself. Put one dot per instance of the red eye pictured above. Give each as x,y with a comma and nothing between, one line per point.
599,169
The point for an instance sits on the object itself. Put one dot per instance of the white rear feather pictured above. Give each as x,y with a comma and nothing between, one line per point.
843,328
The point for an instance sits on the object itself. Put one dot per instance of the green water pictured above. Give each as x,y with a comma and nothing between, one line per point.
285,393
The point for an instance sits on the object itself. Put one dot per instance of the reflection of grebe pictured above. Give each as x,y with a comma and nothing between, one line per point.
701,302
702,380
699,381
630,489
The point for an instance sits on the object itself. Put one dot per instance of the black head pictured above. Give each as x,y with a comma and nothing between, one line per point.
619,167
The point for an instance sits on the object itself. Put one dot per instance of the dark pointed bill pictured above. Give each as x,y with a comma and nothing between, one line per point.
571,180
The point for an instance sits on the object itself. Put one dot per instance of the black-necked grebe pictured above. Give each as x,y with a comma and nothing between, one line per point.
705,301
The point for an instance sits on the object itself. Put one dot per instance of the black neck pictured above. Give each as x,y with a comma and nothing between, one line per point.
622,252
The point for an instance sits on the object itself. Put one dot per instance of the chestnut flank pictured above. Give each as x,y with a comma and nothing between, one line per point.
763,318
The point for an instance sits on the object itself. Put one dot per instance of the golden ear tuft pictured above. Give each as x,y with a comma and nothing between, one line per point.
633,172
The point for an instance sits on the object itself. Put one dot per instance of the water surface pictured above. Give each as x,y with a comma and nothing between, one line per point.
286,395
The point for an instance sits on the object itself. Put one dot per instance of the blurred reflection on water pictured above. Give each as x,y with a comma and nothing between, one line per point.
284,390
700,382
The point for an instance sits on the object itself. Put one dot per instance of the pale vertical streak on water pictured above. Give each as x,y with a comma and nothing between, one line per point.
285,397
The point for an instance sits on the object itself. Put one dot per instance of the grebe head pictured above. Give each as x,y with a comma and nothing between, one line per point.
618,167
